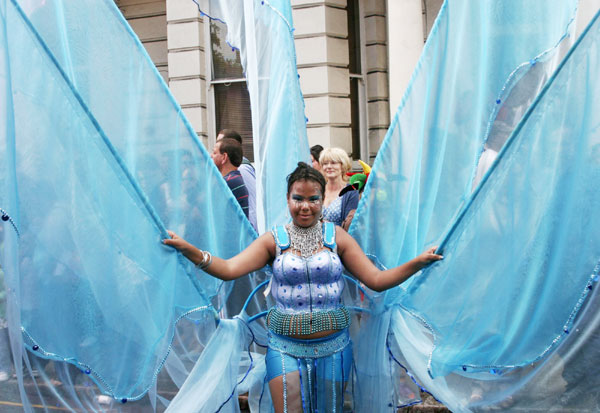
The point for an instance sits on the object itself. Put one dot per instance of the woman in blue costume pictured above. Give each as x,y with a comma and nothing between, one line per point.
309,352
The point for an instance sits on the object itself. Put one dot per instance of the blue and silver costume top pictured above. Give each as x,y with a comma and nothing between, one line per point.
302,285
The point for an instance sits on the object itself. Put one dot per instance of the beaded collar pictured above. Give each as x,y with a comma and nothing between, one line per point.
307,241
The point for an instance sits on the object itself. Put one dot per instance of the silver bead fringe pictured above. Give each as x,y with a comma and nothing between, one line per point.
306,241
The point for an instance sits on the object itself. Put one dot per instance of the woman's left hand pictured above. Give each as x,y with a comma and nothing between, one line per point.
429,256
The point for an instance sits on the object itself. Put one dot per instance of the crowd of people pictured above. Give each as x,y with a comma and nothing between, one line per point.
333,163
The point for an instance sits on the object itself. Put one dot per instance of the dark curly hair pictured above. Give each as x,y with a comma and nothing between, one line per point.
315,151
308,173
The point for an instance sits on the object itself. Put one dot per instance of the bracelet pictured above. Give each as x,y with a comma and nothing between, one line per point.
206,260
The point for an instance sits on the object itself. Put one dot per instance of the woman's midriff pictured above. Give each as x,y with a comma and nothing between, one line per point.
319,334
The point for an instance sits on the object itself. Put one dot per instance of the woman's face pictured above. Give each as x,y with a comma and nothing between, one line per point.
331,170
305,202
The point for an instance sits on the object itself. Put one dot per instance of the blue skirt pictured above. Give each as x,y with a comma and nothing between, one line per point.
320,366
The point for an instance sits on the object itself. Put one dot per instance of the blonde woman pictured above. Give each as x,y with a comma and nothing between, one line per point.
335,163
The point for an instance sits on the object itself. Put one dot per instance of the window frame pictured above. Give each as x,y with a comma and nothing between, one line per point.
362,103
210,85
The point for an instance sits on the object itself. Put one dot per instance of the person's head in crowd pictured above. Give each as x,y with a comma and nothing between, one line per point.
227,155
229,133
315,152
334,164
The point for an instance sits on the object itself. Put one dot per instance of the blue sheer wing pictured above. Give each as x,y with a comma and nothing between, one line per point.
524,254
98,160
510,317
424,169
446,129
499,321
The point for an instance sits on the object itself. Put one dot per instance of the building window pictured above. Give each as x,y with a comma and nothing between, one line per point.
228,89
357,81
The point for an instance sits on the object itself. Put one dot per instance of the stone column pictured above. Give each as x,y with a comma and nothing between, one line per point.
377,70
322,56
405,43
585,11
186,57
148,21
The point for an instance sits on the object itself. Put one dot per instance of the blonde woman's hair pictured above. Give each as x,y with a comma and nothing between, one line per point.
337,155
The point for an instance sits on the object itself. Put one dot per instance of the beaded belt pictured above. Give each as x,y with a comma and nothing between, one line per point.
314,348
288,324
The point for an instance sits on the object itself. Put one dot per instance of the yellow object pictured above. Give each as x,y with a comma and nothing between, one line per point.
365,166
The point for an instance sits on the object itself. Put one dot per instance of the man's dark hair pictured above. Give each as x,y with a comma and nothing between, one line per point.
233,149
230,133
315,151
308,173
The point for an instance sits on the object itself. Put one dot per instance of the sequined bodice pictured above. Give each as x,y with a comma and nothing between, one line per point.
307,284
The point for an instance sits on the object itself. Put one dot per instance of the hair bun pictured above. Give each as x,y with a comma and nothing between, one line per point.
305,171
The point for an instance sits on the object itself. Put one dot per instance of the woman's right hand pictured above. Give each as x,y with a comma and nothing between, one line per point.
428,256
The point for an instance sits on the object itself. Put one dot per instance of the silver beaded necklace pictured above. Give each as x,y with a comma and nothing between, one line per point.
307,241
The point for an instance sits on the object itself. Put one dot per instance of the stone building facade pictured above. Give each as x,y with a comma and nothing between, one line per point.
343,60
354,57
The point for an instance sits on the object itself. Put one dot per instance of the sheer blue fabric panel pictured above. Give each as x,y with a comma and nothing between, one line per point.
566,380
380,383
97,161
211,385
263,32
227,368
470,89
424,169
530,230
503,316
122,88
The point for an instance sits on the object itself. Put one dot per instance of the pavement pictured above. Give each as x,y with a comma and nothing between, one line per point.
10,400
428,405
44,399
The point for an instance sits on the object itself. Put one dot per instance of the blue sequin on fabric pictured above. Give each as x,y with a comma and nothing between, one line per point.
311,284
314,348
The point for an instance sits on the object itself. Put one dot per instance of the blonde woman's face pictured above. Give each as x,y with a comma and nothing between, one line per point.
331,170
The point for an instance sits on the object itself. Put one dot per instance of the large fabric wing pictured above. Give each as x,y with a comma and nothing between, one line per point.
510,315
471,87
476,53
526,246
98,160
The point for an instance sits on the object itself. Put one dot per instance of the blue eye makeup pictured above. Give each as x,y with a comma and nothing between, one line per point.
315,199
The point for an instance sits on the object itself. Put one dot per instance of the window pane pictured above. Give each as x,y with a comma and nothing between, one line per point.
226,62
232,111
355,117
353,36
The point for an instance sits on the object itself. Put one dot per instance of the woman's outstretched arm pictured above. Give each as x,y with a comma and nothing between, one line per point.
257,255
364,270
